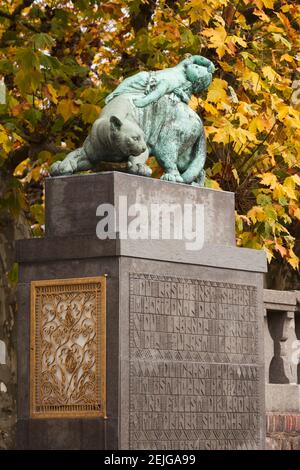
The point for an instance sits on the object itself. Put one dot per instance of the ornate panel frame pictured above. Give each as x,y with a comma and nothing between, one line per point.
68,348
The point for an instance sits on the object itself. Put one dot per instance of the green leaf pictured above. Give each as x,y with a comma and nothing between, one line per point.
282,201
270,212
28,82
6,66
263,199
42,41
33,116
49,62
27,58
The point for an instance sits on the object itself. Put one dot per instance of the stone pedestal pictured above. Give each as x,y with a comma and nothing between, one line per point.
172,358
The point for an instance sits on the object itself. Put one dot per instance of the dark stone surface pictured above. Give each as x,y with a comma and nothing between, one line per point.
46,433
71,203
148,354
82,248
23,350
61,434
71,250
218,256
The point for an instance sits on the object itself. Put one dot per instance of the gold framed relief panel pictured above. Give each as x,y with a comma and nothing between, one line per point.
68,348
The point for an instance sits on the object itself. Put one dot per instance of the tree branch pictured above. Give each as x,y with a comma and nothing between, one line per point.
29,151
143,17
17,11
16,157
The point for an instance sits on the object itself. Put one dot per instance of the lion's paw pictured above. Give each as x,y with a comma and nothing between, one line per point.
144,170
172,177
139,169
60,168
54,169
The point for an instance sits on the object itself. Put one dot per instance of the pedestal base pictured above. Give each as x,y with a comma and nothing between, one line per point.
184,357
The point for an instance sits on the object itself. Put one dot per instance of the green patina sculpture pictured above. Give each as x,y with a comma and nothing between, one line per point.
148,113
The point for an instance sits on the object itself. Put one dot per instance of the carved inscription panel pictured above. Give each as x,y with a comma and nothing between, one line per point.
194,380
68,348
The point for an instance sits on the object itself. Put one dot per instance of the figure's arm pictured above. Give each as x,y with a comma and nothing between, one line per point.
158,92
199,60
183,95
135,83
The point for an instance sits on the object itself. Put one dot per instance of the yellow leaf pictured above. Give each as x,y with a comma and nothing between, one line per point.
4,139
243,136
278,192
194,103
289,182
268,179
256,214
261,14
238,40
257,124
293,123
268,253
52,93
221,136
283,111
225,66
287,58
21,168
270,74
251,80
293,260
209,108
216,91
268,3
217,37
236,176
290,192
292,33
90,112
243,120
67,109
212,184
297,213
296,178
246,108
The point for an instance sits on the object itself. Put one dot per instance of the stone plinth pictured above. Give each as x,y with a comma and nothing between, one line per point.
181,335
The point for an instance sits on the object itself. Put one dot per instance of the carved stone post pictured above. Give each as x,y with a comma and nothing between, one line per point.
268,347
287,347
282,328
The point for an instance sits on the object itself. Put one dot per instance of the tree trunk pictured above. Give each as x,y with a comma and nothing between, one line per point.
10,229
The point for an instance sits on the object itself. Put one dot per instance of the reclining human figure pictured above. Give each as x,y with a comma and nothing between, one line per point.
148,112
181,80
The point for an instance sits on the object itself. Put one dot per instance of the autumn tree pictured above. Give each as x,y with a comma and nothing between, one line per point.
59,60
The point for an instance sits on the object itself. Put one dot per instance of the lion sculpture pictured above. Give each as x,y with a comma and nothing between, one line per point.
148,114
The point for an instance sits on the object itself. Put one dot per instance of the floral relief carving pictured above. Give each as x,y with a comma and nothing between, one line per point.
68,356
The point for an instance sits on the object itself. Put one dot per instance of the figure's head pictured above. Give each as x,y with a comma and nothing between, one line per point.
127,136
199,76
